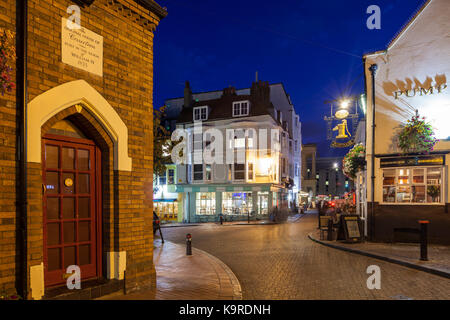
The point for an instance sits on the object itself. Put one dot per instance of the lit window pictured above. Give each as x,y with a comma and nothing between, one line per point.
241,108
413,185
250,171
205,203
200,113
208,172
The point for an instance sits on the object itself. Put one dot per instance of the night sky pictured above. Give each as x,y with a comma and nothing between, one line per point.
314,48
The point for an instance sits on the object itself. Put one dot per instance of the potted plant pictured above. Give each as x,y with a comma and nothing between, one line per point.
354,161
417,136
434,192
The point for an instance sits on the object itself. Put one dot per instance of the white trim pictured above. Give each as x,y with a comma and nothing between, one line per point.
55,100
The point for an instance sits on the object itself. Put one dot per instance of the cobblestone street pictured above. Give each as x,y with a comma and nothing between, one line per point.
280,262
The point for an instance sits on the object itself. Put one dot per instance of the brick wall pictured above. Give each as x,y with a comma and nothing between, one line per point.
127,84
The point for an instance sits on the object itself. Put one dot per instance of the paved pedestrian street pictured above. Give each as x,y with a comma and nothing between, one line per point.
280,262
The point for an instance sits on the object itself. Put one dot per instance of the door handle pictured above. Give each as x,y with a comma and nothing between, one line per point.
44,188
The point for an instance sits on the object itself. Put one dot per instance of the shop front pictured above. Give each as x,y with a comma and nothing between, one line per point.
234,203
407,178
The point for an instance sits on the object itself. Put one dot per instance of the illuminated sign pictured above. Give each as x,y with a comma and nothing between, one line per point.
412,161
420,91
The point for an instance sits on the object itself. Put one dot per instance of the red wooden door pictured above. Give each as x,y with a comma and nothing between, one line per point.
71,207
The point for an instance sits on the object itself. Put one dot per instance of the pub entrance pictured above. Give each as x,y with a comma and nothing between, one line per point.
71,207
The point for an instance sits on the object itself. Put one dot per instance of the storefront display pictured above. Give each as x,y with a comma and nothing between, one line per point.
167,211
237,203
205,203
412,185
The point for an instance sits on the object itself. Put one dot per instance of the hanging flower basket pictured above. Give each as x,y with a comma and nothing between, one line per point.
7,58
354,161
417,136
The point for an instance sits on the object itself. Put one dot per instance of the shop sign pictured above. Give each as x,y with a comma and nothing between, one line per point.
82,48
420,91
350,228
412,161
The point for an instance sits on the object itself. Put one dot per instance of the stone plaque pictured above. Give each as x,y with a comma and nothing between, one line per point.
82,48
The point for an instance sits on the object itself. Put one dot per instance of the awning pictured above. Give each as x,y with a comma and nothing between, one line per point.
164,200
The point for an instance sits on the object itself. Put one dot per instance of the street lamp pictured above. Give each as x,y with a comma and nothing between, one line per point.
343,112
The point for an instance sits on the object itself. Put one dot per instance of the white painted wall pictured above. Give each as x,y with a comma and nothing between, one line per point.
419,57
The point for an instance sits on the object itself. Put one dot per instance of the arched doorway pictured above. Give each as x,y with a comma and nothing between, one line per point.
71,174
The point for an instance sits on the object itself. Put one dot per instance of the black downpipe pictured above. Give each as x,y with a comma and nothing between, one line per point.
21,103
373,69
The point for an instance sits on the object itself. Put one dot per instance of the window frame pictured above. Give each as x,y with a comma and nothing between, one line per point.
239,108
194,172
200,109
169,177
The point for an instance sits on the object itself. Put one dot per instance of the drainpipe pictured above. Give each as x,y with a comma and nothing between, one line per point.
21,103
373,69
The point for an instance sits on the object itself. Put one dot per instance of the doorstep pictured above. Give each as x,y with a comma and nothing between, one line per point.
90,289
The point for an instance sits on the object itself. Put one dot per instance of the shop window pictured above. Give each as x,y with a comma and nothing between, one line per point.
412,185
167,211
237,203
263,202
205,203
171,179
198,172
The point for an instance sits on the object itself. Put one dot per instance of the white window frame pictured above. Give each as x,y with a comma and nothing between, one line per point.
239,108
201,117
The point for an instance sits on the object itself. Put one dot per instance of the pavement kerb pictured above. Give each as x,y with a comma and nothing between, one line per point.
384,258
237,290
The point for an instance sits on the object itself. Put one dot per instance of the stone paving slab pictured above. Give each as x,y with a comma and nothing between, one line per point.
407,254
200,276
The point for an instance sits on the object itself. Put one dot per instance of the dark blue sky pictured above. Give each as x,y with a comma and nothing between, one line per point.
314,48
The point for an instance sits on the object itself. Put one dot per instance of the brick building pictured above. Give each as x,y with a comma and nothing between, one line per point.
88,149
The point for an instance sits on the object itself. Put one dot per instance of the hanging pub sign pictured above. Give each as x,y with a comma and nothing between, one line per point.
341,124
412,161
350,228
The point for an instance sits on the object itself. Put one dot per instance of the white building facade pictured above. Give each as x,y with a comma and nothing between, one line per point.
243,153
411,74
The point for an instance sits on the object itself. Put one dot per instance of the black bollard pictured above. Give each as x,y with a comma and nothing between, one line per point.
188,244
221,219
424,239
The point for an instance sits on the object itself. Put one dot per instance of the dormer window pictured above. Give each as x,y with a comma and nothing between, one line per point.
241,108
201,113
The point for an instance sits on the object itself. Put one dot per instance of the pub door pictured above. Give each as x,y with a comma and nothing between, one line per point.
71,208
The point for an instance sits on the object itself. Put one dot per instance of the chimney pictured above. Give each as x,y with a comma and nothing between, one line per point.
260,90
230,91
187,95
